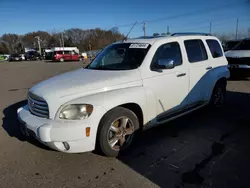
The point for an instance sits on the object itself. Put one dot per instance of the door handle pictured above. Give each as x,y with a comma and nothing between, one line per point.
209,68
181,74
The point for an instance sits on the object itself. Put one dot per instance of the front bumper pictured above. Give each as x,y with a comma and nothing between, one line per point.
62,135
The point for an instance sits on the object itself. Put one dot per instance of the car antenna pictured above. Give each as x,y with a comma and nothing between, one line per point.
125,38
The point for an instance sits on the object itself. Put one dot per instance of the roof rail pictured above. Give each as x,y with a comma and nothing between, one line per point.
149,37
204,34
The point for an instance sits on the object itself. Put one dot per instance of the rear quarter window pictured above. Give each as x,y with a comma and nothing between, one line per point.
215,48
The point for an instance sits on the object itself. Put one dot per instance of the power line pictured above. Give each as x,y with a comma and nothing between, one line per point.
187,14
207,24
194,13
208,20
203,27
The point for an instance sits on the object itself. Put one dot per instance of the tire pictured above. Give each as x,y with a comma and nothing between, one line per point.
219,95
108,135
61,60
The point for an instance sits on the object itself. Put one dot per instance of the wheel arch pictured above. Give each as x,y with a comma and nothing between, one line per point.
137,110
134,107
221,80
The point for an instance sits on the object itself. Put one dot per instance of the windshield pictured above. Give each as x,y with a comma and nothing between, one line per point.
231,44
243,45
120,56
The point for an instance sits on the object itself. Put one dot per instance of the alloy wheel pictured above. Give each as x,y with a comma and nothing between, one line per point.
120,133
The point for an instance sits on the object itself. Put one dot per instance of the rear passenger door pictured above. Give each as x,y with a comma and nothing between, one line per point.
198,67
217,59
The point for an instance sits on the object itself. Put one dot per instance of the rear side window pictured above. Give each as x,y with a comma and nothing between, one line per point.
67,52
195,50
215,48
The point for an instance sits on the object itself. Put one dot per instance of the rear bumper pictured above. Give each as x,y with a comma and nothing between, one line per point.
66,136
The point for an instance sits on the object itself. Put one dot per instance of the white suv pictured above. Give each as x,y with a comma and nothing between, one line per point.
131,85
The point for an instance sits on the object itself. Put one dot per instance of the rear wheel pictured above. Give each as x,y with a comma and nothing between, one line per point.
116,131
61,60
219,94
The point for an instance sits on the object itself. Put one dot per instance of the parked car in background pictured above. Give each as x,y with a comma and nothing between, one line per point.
2,57
131,85
83,56
92,54
239,59
48,54
6,57
65,55
22,56
15,57
33,56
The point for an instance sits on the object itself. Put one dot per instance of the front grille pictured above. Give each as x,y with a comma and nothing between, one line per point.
239,61
38,106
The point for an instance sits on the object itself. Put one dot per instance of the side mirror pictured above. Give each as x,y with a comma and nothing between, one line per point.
166,63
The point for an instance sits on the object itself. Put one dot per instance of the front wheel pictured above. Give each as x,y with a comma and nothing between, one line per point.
116,131
61,60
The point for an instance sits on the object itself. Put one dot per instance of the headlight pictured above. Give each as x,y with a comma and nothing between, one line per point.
76,111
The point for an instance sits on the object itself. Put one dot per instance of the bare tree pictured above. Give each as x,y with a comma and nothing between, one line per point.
93,39
13,42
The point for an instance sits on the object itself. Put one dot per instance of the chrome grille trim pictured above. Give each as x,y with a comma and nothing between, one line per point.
38,106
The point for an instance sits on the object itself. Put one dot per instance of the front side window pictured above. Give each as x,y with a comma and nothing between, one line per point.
169,51
215,48
195,50
120,56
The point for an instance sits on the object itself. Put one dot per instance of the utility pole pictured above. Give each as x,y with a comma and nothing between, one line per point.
168,33
210,28
144,28
62,41
39,44
90,46
237,28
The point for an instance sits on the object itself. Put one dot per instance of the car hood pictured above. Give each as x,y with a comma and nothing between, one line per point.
82,82
238,53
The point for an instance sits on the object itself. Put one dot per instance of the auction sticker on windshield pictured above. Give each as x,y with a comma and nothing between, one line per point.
140,45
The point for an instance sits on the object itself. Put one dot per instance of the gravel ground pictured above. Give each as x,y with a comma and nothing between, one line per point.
204,149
